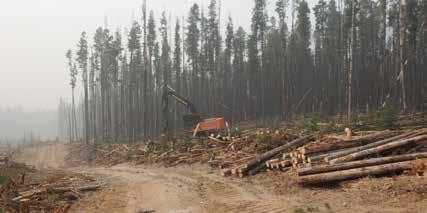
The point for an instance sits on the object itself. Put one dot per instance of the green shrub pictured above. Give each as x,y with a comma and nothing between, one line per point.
312,122
263,142
387,117
3,179
261,139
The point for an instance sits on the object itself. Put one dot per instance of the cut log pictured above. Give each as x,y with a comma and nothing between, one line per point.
280,164
378,149
270,154
359,164
378,143
285,163
272,161
355,173
257,169
321,157
81,188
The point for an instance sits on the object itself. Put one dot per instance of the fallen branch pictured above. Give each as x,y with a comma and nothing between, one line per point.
81,188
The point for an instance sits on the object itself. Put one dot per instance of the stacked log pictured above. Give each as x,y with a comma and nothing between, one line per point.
338,144
379,149
317,152
254,166
356,162
278,163
378,143
360,164
355,173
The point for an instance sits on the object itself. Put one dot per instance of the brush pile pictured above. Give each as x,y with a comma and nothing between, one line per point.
24,189
315,159
219,152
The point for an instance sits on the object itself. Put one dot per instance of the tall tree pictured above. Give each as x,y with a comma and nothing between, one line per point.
82,59
151,41
192,43
351,61
165,63
73,80
259,25
134,46
402,79
281,6
304,62
177,57
228,69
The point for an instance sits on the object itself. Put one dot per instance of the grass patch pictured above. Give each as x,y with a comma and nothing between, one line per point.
3,179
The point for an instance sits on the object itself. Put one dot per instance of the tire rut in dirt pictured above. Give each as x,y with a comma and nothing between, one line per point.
249,206
230,197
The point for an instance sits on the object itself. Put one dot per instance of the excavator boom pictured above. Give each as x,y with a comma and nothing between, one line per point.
192,119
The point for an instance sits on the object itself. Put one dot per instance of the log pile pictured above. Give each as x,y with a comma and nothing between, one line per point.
376,154
27,190
314,160
265,160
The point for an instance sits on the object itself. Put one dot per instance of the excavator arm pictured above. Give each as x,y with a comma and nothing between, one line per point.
190,119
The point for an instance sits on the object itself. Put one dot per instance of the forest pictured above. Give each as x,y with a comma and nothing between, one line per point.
356,57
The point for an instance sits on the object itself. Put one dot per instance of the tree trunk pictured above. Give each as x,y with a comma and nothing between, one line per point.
359,164
351,62
378,149
402,50
378,143
268,155
355,173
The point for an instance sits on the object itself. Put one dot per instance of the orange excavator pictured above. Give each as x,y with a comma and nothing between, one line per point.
192,120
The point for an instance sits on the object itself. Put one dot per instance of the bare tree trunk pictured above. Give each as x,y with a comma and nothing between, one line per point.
402,51
351,62
74,120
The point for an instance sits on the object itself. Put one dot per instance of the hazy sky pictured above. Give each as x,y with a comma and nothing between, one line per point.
35,34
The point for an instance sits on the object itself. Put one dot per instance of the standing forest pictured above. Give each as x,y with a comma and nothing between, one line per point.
355,57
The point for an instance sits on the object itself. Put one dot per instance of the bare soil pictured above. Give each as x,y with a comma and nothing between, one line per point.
198,188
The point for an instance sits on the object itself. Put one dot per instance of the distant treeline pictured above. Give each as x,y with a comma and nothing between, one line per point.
25,126
361,55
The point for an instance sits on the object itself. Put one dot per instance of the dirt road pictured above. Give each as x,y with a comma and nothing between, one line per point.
197,188
142,188
183,189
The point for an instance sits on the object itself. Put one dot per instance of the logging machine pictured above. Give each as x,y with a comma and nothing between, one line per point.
192,120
